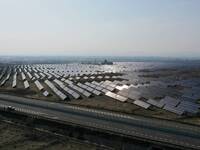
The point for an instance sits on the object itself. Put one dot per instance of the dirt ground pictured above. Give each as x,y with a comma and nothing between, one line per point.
18,138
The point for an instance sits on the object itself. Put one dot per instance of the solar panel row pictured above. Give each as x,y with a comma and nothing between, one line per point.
55,90
88,88
68,90
117,97
39,85
141,104
14,84
26,84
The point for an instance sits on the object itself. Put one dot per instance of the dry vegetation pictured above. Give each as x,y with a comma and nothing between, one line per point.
23,138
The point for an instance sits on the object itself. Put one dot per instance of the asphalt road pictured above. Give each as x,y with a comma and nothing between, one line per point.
168,132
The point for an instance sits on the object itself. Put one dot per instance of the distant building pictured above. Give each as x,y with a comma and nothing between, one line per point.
106,62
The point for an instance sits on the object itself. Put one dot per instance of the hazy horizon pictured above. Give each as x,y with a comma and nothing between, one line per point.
160,28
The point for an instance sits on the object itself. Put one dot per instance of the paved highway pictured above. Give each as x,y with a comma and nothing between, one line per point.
147,128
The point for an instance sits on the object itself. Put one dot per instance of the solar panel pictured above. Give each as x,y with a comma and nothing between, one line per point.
115,96
63,79
26,84
23,76
170,101
29,75
92,77
14,84
68,82
191,96
91,85
121,98
87,94
134,95
39,85
36,75
110,88
99,88
103,87
123,93
45,93
95,83
61,95
55,90
155,103
85,77
189,107
78,89
105,90
122,87
70,91
99,77
141,104
96,92
43,76
33,78
110,94
178,111
89,89
60,83
76,95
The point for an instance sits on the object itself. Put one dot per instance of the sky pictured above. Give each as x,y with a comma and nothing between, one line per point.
167,28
